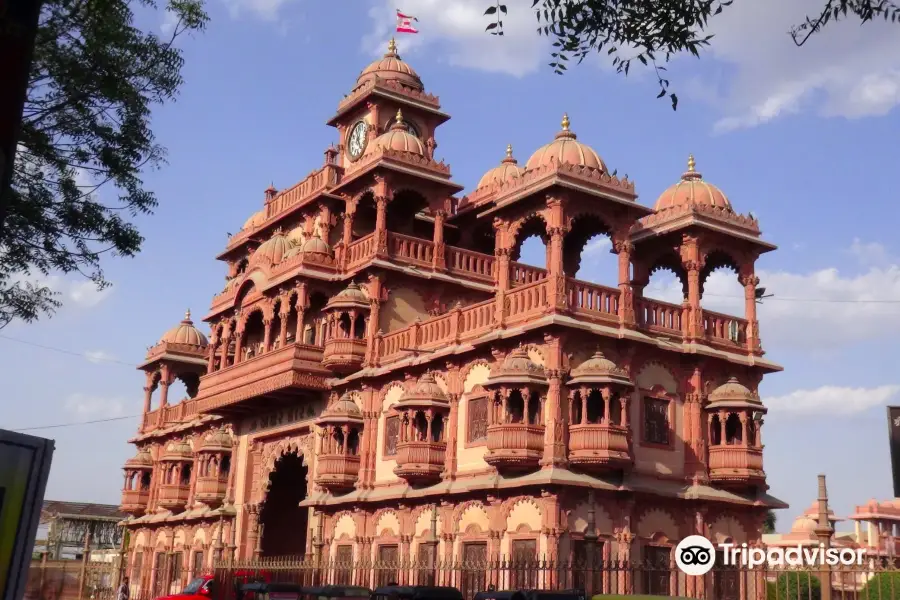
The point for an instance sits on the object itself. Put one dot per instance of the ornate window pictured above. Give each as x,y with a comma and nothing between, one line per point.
137,566
197,566
386,569
343,556
391,435
656,421
524,557
477,413
177,564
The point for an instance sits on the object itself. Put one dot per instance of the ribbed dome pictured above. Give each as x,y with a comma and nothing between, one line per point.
255,220
426,392
342,411
692,190
218,441
391,68
566,149
517,368
351,296
185,333
398,138
273,250
599,369
178,451
507,169
732,390
315,245
141,460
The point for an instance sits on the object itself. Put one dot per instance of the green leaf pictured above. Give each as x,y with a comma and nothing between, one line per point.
674,101
491,10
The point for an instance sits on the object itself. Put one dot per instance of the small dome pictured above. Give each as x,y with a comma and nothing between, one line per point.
391,68
315,245
342,411
692,190
566,149
732,393
507,170
517,368
599,369
141,460
399,138
274,250
351,296
255,220
218,441
185,333
804,524
426,392
178,451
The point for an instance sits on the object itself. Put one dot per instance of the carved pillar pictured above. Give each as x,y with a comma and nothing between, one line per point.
556,277
439,259
554,413
451,431
238,346
226,339
376,285
381,244
301,311
254,533
694,431
267,335
749,280
283,315
211,350
624,248
692,261
165,380
148,392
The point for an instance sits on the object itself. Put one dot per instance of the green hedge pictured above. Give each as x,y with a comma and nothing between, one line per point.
617,597
795,585
883,586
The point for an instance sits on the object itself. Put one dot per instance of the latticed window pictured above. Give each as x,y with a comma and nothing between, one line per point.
197,566
478,419
343,557
656,421
391,435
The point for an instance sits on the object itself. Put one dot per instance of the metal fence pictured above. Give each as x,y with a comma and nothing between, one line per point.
865,582
71,580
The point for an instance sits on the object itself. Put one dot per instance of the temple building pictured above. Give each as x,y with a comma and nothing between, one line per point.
383,380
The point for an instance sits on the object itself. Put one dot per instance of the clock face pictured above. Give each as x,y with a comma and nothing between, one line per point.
356,141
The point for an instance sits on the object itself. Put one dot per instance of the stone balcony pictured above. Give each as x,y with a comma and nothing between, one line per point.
211,490
344,355
420,462
599,447
337,472
134,502
514,446
736,465
173,496
280,374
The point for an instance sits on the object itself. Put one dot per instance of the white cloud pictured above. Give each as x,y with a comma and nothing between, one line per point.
88,406
98,356
267,10
170,20
832,400
83,293
819,309
456,27
598,245
870,254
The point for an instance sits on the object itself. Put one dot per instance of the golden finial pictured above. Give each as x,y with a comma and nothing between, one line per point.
691,163
565,122
509,151
187,315
399,117
392,46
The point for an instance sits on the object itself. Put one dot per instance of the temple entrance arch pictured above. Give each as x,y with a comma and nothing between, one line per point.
284,522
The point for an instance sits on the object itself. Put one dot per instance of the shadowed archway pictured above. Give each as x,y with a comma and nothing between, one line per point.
284,521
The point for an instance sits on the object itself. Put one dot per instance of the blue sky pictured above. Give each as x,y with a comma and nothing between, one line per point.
805,138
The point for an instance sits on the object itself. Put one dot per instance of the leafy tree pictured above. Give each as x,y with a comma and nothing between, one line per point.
651,32
884,585
86,124
769,523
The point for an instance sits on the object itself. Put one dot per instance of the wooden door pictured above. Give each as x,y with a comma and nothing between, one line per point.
386,570
474,565
523,565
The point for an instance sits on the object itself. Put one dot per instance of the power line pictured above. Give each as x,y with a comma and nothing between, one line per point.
84,355
77,423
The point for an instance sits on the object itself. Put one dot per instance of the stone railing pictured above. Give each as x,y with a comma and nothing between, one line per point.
521,274
171,414
734,460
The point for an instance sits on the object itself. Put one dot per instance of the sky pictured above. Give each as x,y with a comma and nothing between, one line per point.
805,138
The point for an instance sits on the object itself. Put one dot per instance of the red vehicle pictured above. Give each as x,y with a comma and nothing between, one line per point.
201,587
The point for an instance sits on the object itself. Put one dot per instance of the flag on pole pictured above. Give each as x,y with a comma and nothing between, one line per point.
405,23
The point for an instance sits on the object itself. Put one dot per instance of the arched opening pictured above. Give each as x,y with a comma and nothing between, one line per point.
343,325
284,521
254,335
437,428
242,266
313,320
364,217
420,427
722,292
531,247
663,279
145,481
275,326
482,237
715,431
185,385
587,251
733,430
185,478
515,407
407,215
359,327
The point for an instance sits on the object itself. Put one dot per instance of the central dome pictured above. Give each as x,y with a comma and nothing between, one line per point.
391,68
691,191
566,149
399,138
507,169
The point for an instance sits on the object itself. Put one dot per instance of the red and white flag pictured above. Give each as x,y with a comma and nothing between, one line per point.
405,23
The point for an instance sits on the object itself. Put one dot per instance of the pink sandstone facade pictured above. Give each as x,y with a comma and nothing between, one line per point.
384,380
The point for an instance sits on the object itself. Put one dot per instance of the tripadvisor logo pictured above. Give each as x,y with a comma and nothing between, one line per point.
696,555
